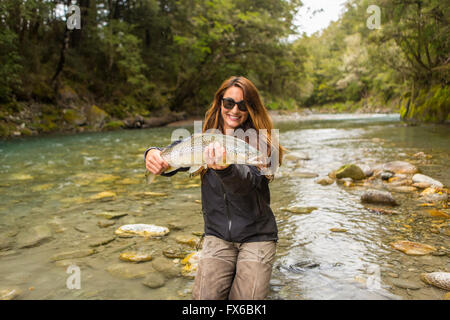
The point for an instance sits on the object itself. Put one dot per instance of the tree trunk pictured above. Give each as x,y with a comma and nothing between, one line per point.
62,58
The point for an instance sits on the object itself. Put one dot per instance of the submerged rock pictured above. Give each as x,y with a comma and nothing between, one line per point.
412,248
332,175
381,210
299,210
129,270
34,236
348,182
149,194
406,284
111,215
350,171
400,167
426,180
73,254
338,230
303,174
295,156
154,280
301,266
175,253
325,181
135,256
422,154
433,194
6,243
143,230
9,294
399,181
402,189
437,213
20,176
421,185
377,196
101,241
437,279
190,241
166,267
104,196
105,224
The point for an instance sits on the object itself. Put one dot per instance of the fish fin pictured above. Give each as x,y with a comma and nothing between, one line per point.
266,171
193,171
150,177
170,169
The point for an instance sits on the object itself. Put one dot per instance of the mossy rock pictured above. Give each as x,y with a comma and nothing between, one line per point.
74,117
4,129
26,132
96,116
429,105
48,123
114,125
350,171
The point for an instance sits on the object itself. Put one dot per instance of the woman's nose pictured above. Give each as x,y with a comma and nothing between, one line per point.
235,108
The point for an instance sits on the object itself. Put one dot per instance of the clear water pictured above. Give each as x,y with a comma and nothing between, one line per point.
50,180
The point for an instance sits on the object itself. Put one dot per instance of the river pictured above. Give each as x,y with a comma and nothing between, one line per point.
53,201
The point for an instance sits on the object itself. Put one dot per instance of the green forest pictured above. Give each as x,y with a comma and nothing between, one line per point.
146,62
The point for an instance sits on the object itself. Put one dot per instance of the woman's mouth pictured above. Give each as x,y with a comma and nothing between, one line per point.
233,118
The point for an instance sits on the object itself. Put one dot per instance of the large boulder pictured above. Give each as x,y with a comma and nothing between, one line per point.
96,117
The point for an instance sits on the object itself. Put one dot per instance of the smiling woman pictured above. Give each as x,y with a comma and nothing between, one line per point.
240,228
233,113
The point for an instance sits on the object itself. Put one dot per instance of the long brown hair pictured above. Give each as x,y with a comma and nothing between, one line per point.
258,116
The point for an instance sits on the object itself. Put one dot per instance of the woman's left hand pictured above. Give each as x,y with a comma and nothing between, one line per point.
215,156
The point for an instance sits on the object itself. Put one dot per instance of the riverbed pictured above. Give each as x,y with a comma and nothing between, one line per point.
67,194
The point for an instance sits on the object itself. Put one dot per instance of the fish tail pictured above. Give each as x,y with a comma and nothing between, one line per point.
150,177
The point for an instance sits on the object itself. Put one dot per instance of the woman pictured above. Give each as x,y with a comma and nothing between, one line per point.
240,229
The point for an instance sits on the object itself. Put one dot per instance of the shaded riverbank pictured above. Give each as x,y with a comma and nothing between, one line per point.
65,196
74,115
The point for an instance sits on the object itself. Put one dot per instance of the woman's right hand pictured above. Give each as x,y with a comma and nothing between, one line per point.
155,163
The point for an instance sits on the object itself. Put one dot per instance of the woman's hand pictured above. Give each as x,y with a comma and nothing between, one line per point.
155,163
215,156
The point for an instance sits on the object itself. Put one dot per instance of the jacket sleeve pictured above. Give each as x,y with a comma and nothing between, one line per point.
172,172
240,178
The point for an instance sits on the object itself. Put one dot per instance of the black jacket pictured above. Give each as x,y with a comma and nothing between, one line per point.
236,204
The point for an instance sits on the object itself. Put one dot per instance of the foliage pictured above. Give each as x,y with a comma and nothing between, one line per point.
144,56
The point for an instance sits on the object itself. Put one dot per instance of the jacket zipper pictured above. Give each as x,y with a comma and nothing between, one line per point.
228,216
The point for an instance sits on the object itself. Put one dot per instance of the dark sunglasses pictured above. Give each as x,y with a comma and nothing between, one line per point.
228,103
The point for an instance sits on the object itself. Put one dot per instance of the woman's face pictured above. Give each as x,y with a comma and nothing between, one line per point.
233,118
